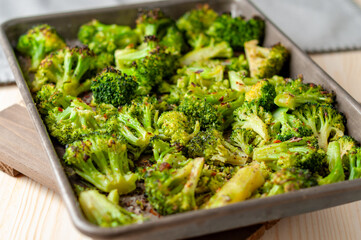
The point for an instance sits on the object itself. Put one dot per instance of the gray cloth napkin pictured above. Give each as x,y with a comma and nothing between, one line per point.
315,25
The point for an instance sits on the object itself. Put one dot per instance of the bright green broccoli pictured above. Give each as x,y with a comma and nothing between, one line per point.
136,122
240,187
114,87
68,69
209,51
99,210
286,126
288,180
150,64
252,116
71,123
153,23
297,152
295,93
176,127
102,38
326,122
354,158
49,98
246,139
265,62
195,23
173,40
172,190
166,154
334,161
214,147
102,160
38,42
237,31
262,92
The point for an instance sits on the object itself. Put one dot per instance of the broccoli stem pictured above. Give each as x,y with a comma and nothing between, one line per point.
238,188
257,124
335,163
355,166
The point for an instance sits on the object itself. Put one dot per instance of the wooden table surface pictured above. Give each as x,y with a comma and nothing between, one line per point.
31,211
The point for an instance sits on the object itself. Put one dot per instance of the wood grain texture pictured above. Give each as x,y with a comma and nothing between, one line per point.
31,211
21,148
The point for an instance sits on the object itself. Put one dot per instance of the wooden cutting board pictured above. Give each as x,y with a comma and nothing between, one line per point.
21,152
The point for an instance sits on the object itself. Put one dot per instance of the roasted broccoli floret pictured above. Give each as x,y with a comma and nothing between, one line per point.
153,23
334,161
201,111
326,122
103,38
49,98
103,161
236,31
68,69
165,154
240,187
354,158
246,139
114,87
150,64
286,126
265,62
38,42
136,121
262,92
195,23
173,40
295,93
288,180
209,51
252,116
212,146
297,152
176,127
171,190
236,64
71,123
99,210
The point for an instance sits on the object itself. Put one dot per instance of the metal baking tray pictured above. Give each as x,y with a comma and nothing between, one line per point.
199,222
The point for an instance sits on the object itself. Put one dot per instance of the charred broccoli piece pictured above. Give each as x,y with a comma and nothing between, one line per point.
246,139
150,64
295,93
195,23
201,111
38,42
326,122
164,153
103,161
104,39
240,187
153,23
297,152
68,69
172,190
173,40
288,180
265,62
262,92
176,126
49,98
99,210
252,116
236,31
73,122
286,126
114,87
136,122
213,147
